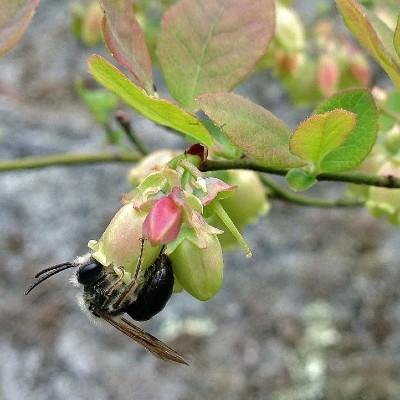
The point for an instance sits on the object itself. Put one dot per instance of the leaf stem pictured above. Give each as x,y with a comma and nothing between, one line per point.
67,159
126,126
358,178
286,195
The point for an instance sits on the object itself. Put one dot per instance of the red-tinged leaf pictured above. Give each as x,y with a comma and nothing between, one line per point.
211,45
125,39
15,17
254,130
357,20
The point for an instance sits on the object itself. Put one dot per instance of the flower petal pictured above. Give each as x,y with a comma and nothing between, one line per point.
163,222
214,189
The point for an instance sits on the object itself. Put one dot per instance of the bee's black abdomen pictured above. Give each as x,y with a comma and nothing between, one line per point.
155,293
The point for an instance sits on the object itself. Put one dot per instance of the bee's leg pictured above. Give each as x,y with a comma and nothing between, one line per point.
106,295
120,272
133,284
99,282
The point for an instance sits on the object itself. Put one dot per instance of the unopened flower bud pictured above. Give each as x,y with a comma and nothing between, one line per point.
328,75
149,164
288,63
163,222
360,70
392,139
241,207
120,243
379,94
199,271
371,165
289,32
91,24
384,201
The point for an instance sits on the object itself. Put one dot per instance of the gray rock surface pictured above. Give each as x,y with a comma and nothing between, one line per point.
314,314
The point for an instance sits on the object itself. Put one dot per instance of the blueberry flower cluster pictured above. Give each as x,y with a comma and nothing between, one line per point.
172,207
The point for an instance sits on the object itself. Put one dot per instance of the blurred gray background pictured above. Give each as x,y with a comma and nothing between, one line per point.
315,314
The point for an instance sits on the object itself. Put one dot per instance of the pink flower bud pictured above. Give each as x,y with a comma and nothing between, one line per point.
360,70
328,75
163,222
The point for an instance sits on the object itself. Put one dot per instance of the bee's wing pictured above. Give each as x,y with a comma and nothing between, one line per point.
151,343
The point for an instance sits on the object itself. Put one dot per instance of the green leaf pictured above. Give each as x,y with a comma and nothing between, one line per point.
299,179
361,139
211,45
396,37
15,17
158,110
254,130
356,19
318,135
125,39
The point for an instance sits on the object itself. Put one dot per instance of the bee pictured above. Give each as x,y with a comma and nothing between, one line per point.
107,296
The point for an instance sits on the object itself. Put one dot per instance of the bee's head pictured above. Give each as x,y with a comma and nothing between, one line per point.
90,273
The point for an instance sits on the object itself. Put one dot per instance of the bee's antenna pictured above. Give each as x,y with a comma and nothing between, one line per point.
57,266
55,269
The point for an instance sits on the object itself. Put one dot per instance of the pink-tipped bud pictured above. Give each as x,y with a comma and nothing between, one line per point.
91,24
360,70
328,75
163,222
